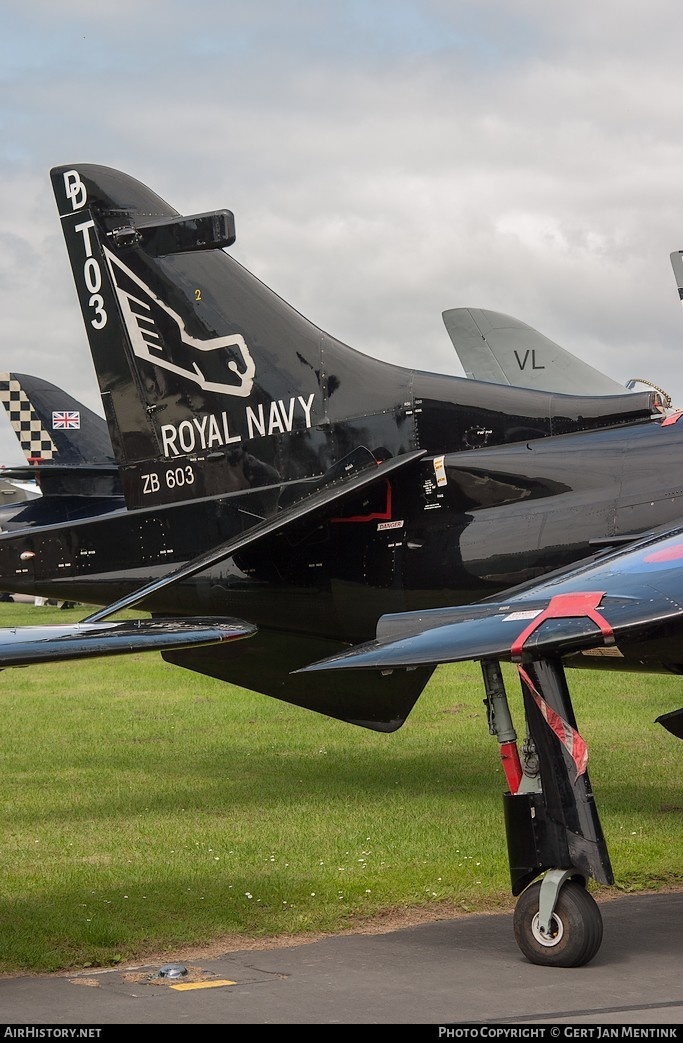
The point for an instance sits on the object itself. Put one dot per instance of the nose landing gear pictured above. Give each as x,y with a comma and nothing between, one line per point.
572,934
551,820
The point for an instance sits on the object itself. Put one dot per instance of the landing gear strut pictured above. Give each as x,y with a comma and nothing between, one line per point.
551,821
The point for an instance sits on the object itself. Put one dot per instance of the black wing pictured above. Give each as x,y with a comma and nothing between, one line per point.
26,645
629,599
627,602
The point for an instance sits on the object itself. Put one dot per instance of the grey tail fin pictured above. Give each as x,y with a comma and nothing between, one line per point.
677,265
500,349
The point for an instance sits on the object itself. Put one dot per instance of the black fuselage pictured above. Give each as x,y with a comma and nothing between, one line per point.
447,532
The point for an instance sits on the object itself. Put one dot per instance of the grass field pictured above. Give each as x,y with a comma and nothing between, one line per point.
146,808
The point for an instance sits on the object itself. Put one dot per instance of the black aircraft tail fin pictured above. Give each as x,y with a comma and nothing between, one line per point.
67,446
51,425
211,383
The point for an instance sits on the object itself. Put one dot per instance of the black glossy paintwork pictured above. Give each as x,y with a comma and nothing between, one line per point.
294,400
31,401
490,527
226,407
313,497
71,464
61,509
639,591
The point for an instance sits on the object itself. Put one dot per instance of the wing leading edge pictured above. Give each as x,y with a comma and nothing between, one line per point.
28,645
630,600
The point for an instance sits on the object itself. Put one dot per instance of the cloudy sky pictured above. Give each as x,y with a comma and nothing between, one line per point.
385,160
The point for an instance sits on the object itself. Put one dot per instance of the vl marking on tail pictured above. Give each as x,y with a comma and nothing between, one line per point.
528,353
501,349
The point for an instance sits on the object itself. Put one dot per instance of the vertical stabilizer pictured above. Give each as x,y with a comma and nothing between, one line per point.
210,382
677,265
502,350
52,426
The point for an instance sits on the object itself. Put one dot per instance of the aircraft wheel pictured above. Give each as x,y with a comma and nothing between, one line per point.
576,927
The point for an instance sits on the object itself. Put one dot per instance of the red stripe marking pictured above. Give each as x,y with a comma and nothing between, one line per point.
563,606
569,737
666,553
384,515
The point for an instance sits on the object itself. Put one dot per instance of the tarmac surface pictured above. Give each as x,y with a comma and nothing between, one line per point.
462,972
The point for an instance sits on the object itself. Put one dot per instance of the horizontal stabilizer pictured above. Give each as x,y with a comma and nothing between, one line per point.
15,491
23,646
89,482
29,472
500,349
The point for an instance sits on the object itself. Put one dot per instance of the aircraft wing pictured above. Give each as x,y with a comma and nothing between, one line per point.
27,645
627,603
500,349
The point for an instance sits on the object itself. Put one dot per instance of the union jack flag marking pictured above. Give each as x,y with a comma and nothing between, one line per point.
66,419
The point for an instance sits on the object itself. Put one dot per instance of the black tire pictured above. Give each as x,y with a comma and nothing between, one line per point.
577,927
